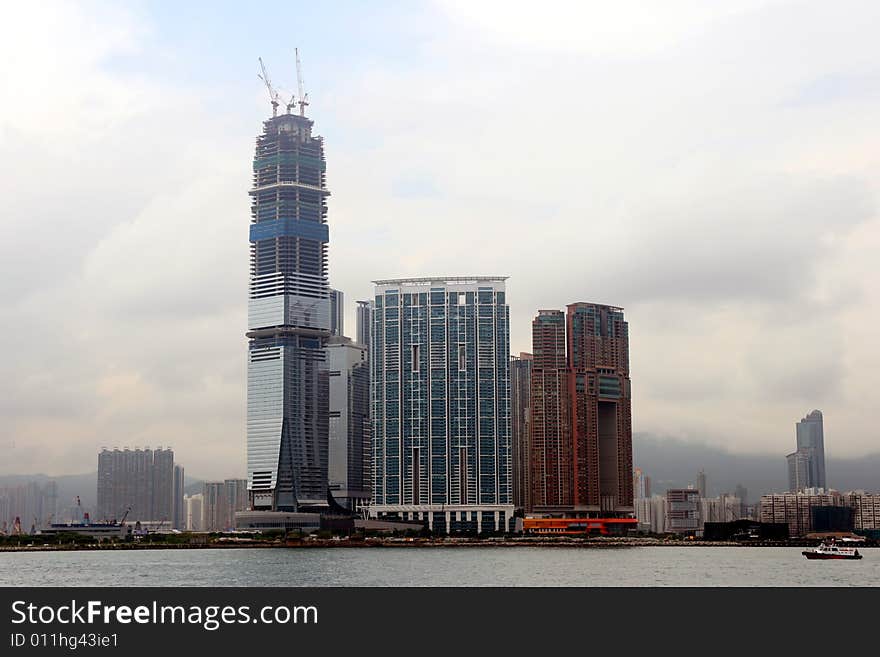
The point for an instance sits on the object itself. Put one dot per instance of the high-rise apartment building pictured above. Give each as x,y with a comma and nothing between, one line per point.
33,502
550,426
798,471
364,321
337,312
581,412
440,394
221,500
520,395
195,509
641,484
178,505
288,319
599,389
651,513
349,399
806,465
796,509
140,481
724,508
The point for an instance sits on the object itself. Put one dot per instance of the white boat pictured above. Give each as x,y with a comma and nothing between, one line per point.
832,551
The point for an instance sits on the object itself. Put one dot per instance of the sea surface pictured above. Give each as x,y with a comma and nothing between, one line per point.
438,566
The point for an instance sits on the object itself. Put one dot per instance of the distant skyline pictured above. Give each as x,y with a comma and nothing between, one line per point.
714,171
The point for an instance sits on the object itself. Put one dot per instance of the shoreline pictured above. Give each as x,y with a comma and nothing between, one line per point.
592,543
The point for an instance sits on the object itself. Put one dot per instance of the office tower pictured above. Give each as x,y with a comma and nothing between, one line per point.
599,389
178,506
195,521
440,392
140,481
550,422
337,312
364,323
811,438
701,483
349,452
683,510
288,319
806,465
742,493
520,394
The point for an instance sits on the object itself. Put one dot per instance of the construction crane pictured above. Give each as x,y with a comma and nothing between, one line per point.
303,97
290,103
124,516
273,95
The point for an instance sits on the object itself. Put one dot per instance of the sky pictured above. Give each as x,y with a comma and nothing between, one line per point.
712,169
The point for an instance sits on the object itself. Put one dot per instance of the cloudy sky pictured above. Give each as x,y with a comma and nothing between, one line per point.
714,171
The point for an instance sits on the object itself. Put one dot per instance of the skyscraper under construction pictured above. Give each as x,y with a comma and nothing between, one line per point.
288,318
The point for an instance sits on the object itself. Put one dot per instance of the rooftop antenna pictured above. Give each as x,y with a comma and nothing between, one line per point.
303,97
273,95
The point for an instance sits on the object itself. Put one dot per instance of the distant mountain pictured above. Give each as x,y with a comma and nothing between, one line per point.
193,487
669,462
69,487
672,463
83,485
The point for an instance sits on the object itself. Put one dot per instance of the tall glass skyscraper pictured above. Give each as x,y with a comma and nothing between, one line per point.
440,393
520,412
288,319
806,466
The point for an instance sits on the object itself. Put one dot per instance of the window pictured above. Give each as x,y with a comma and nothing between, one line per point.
462,358
416,476
462,475
415,358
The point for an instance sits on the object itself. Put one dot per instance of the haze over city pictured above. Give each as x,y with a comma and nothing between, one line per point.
713,172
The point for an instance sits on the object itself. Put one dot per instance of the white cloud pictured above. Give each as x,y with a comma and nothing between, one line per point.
614,153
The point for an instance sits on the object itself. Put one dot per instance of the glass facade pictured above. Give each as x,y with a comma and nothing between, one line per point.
440,394
288,319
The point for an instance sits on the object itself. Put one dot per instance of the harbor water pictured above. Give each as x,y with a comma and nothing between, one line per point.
437,566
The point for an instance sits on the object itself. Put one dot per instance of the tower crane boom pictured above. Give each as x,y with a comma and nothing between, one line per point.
273,95
303,97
